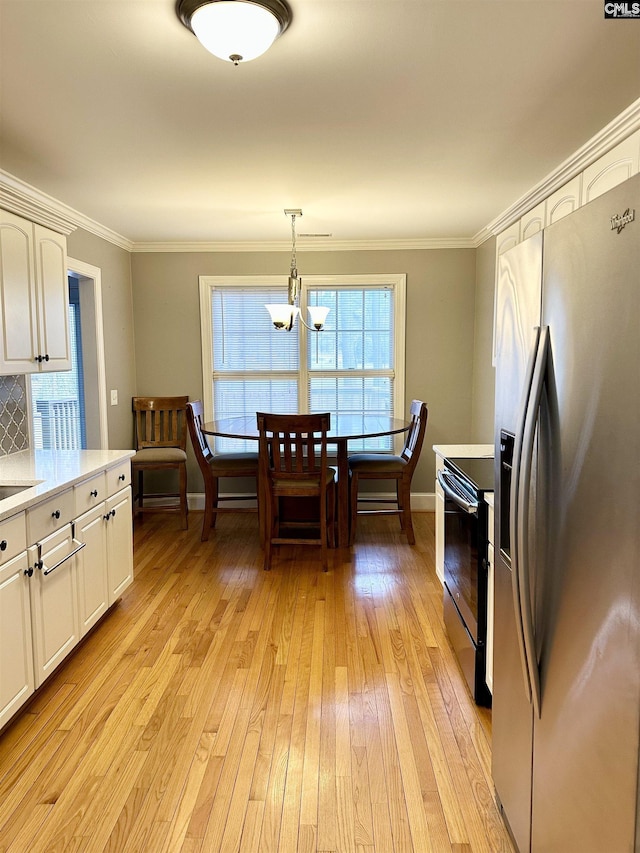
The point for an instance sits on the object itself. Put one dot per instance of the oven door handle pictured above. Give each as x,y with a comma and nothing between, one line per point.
446,480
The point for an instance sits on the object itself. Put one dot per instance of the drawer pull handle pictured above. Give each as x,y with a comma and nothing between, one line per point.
55,514
3,545
94,493
79,547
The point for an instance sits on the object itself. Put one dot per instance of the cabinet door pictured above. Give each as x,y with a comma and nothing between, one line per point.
93,587
16,649
18,313
490,619
53,299
612,168
54,601
440,532
119,543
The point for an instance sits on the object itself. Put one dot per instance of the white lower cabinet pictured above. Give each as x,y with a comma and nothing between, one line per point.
93,588
16,649
54,600
119,543
105,565
440,532
490,597
54,591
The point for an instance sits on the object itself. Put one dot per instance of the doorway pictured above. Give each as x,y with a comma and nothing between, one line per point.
68,408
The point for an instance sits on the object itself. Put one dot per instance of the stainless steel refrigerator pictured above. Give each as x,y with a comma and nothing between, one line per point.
566,690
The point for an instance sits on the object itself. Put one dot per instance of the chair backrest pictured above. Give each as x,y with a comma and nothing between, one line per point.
160,422
195,415
293,446
415,436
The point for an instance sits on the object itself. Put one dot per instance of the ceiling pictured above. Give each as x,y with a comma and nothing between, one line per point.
380,119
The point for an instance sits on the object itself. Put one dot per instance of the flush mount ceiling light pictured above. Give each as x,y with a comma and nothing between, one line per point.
235,30
283,315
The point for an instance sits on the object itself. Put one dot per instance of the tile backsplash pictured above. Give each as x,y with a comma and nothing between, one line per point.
14,424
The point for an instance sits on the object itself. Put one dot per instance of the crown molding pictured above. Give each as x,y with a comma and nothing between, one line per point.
309,245
23,199
613,133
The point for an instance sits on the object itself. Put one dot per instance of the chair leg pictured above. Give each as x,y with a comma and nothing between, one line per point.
324,533
140,495
208,515
405,491
269,522
353,496
184,508
214,503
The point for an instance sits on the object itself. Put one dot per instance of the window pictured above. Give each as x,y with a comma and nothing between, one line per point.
355,365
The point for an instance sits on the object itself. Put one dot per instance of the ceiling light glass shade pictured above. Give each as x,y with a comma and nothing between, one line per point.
283,315
235,30
318,314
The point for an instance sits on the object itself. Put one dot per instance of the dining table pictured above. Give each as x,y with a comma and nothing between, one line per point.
345,428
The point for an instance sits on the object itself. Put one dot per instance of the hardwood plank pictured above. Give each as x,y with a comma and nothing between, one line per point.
220,707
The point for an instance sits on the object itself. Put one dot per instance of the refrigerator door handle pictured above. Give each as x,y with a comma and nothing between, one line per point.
524,479
514,528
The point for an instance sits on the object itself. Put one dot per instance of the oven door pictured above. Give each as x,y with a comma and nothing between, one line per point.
461,558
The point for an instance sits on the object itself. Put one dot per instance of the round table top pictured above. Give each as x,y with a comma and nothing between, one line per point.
343,426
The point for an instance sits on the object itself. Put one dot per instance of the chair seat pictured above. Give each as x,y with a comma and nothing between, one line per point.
159,454
285,486
236,461
376,462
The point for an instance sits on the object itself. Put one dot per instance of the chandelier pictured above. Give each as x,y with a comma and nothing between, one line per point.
283,315
235,30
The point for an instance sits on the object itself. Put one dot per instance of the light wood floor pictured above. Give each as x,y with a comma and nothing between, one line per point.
222,708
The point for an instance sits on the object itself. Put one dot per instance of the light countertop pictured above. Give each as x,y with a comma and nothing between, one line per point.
50,471
464,451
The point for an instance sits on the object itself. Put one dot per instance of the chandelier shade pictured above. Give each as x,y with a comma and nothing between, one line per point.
235,30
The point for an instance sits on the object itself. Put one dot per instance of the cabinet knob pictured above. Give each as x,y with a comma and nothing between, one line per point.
94,493
55,514
46,357
122,477
29,572
3,545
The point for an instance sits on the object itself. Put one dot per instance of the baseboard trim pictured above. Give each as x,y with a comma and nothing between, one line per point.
420,501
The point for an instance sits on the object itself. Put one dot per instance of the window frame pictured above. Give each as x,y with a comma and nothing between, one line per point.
395,281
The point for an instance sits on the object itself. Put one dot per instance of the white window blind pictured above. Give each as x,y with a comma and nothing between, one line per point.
354,367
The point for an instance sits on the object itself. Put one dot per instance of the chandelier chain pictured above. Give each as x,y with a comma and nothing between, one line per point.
294,264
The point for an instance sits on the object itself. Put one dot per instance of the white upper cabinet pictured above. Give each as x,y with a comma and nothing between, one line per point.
34,298
533,221
563,201
612,168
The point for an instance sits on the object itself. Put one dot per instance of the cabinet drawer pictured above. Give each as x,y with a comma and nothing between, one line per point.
118,477
13,537
45,518
90,492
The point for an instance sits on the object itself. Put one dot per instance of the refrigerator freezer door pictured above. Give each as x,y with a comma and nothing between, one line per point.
518,298
585,769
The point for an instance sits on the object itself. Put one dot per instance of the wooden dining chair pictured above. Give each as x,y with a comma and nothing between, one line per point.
293,464
378,466
160,444
214,466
